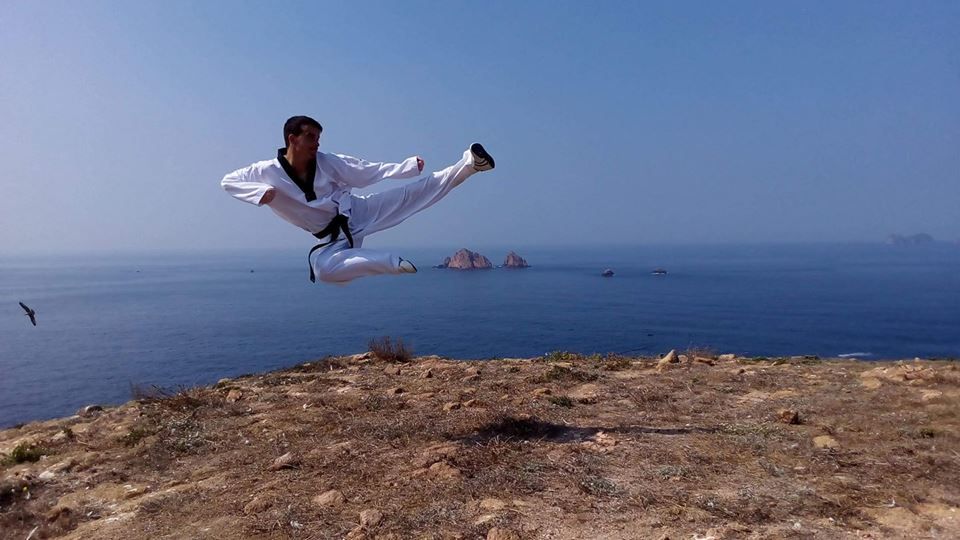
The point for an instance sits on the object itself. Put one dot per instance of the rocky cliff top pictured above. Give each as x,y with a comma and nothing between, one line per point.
560,446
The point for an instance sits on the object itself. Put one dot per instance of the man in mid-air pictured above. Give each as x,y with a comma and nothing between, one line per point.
311,190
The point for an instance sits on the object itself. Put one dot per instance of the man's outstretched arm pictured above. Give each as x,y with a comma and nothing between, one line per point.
244,185
359,173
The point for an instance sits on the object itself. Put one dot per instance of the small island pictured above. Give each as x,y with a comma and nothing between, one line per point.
515,261
466,260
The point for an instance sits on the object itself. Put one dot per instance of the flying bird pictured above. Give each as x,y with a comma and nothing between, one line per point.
29,313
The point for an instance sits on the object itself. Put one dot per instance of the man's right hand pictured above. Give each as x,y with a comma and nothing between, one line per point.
268,196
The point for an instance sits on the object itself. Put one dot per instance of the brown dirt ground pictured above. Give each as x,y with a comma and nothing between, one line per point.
563,446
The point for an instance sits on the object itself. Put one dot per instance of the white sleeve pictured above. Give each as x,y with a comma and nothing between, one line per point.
244,184
359,173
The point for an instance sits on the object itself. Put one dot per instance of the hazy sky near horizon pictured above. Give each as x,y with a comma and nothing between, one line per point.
611,122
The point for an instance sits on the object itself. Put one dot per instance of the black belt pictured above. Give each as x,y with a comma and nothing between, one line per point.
337,224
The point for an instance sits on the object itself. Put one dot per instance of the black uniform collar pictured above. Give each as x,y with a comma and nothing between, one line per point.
305,184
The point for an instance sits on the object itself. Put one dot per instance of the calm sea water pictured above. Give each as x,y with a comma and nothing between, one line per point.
170,320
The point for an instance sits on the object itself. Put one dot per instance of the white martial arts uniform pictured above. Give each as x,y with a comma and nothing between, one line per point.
335,176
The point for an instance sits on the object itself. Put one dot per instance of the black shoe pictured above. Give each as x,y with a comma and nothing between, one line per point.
407,267
482,161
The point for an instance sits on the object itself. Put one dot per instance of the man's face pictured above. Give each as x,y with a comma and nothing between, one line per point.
307,142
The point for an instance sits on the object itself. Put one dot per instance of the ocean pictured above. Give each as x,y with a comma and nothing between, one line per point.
106,323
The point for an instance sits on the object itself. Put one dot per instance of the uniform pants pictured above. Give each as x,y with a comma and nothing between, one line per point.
339,263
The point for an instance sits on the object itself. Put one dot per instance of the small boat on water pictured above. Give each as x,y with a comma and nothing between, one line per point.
659,272
607,273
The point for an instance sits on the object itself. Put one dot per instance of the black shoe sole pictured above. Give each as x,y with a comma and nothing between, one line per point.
480,152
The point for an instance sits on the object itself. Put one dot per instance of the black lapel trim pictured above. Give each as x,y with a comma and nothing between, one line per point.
305,185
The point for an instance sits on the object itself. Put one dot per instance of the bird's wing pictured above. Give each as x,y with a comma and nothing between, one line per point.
24,306
33,319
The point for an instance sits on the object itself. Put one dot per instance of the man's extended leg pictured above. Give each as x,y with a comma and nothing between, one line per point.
339,263
378,211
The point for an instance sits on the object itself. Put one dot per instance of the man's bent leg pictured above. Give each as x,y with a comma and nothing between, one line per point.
340,264
379,211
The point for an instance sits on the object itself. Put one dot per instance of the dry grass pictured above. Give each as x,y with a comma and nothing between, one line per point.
24,453
386,350
564,374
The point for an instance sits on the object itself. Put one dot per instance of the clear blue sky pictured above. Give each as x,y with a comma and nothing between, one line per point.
612,122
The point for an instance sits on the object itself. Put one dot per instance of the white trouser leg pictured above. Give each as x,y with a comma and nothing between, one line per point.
338,263
378,211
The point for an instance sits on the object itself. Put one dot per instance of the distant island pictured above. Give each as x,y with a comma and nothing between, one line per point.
515,261
909,240
465,259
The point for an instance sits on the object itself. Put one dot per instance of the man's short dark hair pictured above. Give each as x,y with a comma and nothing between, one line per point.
294,126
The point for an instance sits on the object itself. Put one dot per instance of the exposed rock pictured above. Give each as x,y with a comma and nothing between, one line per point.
435,453
468,260
427,374
492,505
395,391
515,261
256,505
286,461
607,273
603,438
391,370
471,378
442,469
788,416
63,466
470,403
58,512
360,358
585,393
473,371
542,392
825,441
497,533
670,358
727,357
330,498
484,519
356,533
452,406
90,410
444,264
234,396
370,518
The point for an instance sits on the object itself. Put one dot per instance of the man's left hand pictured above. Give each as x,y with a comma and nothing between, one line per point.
420,163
